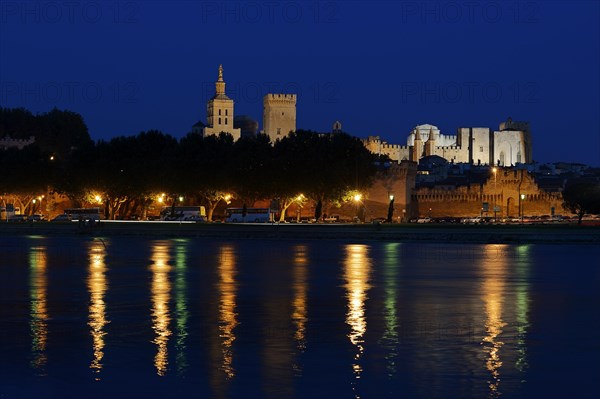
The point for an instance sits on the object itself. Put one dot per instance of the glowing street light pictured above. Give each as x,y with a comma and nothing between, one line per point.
180,199
357,197
495,169
522,206
98,199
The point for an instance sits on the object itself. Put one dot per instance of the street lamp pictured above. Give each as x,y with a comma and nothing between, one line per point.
357,198
522,203
390,214
494,169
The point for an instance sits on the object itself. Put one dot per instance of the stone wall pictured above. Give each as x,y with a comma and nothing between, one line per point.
503,190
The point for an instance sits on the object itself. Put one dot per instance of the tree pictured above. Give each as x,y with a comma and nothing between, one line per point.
26,175
581,197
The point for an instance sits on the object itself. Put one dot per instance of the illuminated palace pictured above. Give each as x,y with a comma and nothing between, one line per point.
509,145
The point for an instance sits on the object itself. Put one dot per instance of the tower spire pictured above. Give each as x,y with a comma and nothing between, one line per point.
220,83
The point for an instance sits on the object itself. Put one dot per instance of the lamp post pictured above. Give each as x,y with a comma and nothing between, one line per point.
522,203
494,169
357,197
390,213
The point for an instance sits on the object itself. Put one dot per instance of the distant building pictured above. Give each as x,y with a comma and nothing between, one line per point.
279,115
509,145
8,142
219,111
337,127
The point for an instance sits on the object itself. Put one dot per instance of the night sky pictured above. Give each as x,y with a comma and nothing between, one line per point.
379,67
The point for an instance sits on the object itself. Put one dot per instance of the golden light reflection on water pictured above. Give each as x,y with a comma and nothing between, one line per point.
494,270
97,286
227,307
357,269
299,315
38,315
161,295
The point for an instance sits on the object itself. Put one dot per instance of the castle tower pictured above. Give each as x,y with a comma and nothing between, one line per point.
417,149
430,143
279,115
219,111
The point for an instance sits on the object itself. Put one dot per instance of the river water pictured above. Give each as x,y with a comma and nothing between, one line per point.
133,317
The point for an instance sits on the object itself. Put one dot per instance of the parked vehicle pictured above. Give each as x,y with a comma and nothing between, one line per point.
424,220
17,218
36,218
252,215
181,212
62,218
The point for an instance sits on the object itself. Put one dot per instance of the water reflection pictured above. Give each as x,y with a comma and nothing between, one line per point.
299,315
357,269
494,272
97,309
161,291
522,291
181,310
391,263
38,315
227,307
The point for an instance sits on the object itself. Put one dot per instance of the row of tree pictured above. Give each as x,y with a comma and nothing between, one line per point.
130,172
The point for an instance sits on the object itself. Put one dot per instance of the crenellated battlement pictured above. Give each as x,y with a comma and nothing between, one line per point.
276,98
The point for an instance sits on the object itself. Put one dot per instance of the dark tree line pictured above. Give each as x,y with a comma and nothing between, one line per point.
129,172
581,197
56,132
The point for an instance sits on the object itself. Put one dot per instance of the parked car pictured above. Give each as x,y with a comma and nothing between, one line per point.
424,220
62,218
17,219
195,218
36,218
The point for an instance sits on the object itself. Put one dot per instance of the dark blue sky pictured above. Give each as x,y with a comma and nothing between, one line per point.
379,67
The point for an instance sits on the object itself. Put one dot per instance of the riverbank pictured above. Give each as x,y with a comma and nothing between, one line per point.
493,234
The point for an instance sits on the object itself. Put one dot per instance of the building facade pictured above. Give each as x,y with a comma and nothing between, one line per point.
279,115
507,146
219,111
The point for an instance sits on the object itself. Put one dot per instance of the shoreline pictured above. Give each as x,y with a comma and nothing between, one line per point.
487,234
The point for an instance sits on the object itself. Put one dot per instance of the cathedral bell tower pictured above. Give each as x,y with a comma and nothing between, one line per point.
219,111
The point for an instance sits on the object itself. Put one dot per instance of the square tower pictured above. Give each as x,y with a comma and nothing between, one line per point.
219,111
279,115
